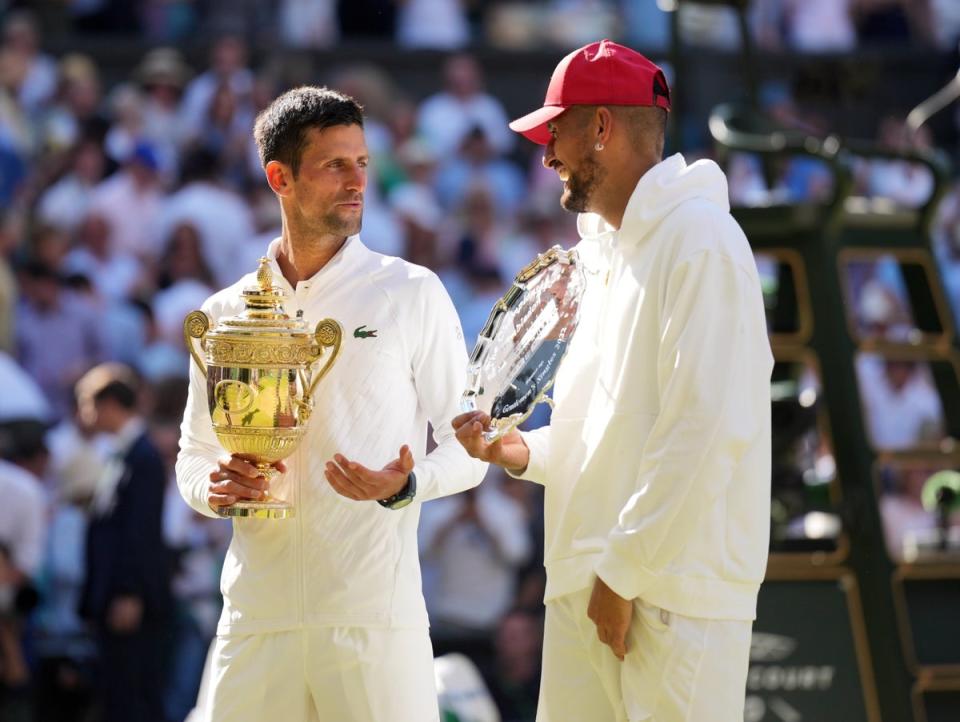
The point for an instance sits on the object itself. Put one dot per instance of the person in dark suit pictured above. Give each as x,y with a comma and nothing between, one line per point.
126,593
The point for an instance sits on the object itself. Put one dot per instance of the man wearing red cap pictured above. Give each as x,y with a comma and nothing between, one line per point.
656,462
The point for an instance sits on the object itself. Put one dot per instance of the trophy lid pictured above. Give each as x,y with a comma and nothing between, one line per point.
264,314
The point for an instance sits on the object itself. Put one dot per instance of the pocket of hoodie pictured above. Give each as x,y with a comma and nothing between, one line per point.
651,647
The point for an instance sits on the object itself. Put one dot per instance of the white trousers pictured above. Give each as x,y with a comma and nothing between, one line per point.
677,669
321,675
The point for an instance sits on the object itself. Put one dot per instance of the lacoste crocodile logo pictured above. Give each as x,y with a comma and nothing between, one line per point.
360,333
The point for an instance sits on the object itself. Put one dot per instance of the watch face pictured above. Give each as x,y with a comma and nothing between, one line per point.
400,503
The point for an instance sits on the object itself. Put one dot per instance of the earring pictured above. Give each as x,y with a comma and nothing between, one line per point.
598,147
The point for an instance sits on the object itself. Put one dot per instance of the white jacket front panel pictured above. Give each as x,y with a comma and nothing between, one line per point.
341,562
657,458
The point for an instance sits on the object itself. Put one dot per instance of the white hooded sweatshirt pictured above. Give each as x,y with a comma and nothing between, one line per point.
341,562
656,462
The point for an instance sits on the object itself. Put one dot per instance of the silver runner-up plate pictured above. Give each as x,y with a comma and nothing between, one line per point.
524,340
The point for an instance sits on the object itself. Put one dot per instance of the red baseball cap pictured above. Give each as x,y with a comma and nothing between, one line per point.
603,73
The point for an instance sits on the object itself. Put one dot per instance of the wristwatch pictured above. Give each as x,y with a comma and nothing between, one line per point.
403,497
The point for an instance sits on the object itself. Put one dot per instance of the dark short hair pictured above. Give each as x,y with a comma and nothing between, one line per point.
110,381
281,129
22,439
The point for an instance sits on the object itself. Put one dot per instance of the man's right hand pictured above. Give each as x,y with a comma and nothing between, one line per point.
236,479
508,451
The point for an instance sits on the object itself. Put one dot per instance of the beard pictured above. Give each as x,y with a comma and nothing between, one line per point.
582,184
342,225
337,222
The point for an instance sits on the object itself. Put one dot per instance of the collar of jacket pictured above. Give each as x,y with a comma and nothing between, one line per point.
661,189
344,259
128,435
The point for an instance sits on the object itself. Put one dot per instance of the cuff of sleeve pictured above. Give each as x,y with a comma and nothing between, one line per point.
192,480
536,470
624,575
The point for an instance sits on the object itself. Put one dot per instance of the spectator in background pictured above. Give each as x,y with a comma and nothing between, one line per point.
806,26
22,36
23,512
57,338
75,112
647,25
126,593
17,141
474,164
11,231
65,203
907,184
221,218
130,202
514,678
475,542
125,104
308,23
901,405
946,247
115,273
198,545
434,24
228,67
185,282
447,117
22,530
162,75
225,134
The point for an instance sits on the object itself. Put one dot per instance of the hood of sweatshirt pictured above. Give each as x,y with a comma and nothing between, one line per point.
661,189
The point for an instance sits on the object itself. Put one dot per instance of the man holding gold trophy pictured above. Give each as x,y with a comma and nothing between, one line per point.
319,375
656,461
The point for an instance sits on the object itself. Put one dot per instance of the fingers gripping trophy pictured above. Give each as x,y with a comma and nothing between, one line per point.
260,367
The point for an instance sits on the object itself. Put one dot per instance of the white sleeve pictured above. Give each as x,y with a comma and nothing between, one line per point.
713,369
440,376
199,449
538,445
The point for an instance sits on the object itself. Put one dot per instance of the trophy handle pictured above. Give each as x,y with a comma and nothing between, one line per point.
195,326
328,335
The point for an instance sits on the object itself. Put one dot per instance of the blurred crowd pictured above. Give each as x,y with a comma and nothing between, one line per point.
123,206
806,26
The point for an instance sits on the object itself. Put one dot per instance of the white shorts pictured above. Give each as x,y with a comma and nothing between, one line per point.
677,669
334,674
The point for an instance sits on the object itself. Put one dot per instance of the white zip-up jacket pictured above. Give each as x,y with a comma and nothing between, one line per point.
656,462
340,562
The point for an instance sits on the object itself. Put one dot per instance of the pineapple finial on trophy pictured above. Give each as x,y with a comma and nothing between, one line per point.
264,274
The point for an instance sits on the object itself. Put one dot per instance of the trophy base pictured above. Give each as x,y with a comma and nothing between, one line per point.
258,510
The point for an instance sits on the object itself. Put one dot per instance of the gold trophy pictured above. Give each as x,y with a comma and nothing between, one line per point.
260,375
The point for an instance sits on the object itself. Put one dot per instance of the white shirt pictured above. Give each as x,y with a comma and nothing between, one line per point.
656,462
902,418
131,212
22,517
341,562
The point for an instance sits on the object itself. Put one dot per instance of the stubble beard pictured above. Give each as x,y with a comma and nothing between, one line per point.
336,225
580,186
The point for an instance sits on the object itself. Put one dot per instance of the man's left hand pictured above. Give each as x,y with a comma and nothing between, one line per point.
612,615
355,481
